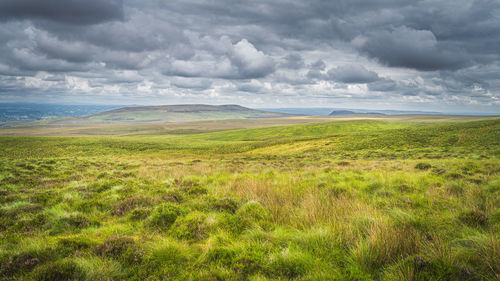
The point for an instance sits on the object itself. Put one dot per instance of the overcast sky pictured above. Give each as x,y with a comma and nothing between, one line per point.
375,54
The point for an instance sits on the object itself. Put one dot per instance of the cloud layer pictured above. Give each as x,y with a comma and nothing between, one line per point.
439,55
64,11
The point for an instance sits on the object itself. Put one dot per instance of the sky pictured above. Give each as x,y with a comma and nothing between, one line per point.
440,55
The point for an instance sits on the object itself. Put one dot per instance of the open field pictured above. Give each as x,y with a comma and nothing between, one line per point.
85,127
299,198
152,129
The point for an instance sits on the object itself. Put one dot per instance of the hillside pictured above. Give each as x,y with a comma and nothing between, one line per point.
183,112
152,115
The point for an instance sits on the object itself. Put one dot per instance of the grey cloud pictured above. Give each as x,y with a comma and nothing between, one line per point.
138,33
26,59
71,51
241,61
463,31
66,11
352,74
250,87
382,85
315,74
406,47
293,61
191,83
318,65
251,62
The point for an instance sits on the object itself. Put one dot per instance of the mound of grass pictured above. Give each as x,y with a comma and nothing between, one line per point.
192,226
253,213
24,262
165,215
59,271
423,166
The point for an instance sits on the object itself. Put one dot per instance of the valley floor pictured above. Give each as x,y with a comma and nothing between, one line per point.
406,199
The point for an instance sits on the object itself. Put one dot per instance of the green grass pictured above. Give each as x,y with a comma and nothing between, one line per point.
341,200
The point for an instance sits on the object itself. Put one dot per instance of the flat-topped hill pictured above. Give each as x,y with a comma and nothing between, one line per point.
183,108
182,112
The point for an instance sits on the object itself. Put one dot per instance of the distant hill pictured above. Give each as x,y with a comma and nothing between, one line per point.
342,112
348,112
33,111
321,111
183,112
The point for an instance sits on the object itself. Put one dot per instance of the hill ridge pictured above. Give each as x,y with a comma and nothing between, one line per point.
182,108
182,112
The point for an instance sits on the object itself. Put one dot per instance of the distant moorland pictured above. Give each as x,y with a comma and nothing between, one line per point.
355,197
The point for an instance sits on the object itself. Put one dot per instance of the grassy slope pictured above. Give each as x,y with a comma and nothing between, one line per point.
177,113
343,200
133,119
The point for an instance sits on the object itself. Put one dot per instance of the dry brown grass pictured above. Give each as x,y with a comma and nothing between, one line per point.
385,243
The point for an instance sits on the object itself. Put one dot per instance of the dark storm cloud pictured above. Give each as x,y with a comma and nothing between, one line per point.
352,74
66,11
406,47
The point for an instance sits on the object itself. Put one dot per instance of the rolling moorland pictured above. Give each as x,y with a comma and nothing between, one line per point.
348,198
154,114
31,111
